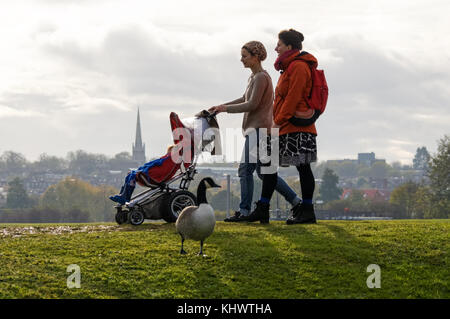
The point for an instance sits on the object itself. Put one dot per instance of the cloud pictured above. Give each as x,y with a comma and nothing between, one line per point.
360,69
77,2
378,99
132,58
9,112
88,76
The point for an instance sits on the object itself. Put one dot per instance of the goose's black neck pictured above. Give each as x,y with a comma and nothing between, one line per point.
201,193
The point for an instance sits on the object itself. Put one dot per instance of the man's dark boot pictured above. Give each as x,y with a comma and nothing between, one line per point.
305,215
261,213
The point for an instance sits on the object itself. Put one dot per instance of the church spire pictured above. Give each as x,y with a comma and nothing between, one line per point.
138,146
138,141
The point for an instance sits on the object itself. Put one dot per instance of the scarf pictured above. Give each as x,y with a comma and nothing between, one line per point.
279,62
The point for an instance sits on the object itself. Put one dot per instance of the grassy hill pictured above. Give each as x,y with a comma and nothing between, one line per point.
327,260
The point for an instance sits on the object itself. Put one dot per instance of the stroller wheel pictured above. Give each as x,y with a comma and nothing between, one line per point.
121,217
175,203
135,217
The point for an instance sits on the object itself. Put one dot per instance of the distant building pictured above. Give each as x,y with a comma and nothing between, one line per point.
342,161
138,153
367,159
372,194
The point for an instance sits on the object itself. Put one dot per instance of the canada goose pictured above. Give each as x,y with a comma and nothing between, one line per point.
197,222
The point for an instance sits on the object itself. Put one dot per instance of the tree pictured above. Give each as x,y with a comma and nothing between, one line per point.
72,194
219,200
439,174
356,196
422,203
421,159
395,170
404,196
362,182
431,201
379,170
341,205
17,195
14,163
122,161
123,156
357,201
83,163
348,169
328,189
47,163
364,171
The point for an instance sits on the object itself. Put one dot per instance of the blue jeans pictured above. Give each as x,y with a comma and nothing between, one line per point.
250,163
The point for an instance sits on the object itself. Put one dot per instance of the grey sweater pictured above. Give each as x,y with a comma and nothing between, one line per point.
256,104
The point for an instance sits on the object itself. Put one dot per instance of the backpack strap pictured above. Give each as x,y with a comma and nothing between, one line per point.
310,65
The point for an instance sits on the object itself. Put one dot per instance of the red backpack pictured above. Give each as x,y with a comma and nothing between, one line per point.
317,98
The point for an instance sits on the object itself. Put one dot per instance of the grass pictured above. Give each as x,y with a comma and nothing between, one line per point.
326,260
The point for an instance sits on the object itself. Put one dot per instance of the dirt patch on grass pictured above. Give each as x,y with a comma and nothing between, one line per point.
14,231
54,230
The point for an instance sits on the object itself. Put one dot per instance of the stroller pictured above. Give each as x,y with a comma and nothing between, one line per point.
164,199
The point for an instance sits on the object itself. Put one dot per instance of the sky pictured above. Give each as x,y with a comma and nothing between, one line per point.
74,72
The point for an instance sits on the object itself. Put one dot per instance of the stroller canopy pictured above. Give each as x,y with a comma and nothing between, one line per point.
202,129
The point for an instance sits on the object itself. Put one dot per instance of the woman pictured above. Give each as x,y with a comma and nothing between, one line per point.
256,104
297,144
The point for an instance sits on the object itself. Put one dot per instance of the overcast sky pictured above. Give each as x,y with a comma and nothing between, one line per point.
73,72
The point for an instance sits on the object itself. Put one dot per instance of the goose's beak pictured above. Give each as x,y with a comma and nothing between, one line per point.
215,185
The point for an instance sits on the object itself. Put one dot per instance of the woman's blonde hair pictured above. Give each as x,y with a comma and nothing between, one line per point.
256,48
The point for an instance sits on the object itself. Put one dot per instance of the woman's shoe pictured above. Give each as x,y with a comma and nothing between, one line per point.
296,210
237,217
261,213
305,215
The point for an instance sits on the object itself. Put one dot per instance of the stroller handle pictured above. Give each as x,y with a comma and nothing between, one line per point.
212,114
206,114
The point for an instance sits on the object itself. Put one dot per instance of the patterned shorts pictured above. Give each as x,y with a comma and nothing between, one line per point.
297,148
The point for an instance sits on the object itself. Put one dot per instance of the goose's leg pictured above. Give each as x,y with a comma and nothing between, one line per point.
201,248
182,251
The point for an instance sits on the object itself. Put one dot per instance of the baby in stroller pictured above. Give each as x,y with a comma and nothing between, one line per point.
163,199
158,172
143,175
